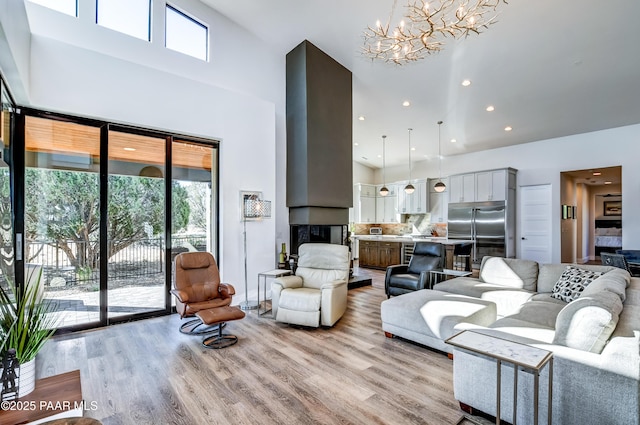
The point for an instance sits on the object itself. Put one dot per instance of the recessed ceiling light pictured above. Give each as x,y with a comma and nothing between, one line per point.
597,173
490,108
508,128
356,144
413,149
379,156
453,140
466,83
130,149
406,103
607,182
361,117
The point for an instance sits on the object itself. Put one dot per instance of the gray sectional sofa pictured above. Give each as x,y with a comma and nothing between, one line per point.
588,316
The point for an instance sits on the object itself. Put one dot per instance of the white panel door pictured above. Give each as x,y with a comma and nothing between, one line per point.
535,223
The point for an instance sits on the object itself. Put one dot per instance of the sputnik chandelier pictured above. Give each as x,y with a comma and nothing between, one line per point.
424,28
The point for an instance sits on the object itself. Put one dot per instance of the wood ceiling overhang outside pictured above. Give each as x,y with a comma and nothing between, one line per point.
59,137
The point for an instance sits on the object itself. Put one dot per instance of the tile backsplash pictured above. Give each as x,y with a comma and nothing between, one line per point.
418,223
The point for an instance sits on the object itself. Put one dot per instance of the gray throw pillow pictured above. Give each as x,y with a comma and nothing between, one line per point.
572,283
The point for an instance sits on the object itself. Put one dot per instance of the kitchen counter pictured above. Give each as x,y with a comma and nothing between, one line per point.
411,239
449,244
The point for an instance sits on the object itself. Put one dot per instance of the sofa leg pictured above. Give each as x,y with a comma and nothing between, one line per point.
466,408
388,334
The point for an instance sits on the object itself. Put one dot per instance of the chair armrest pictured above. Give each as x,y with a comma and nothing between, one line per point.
182,296
397,269
288,281
391,270
333,284
226,289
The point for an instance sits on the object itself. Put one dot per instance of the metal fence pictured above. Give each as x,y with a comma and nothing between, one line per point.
141,257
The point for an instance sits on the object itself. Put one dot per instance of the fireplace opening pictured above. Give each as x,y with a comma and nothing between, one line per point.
317,233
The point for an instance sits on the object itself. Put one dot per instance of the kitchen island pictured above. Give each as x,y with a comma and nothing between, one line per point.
380,251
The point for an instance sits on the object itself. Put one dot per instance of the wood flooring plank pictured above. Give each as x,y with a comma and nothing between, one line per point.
147,372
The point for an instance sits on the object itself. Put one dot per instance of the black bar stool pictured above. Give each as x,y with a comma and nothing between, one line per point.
462,257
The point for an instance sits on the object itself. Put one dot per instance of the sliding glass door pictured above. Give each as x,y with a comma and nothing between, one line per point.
6,202
193,202
106,210
62,215
136,223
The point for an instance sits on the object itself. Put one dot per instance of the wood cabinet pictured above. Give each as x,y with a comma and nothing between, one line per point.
368,255
379,254
388,254
462,188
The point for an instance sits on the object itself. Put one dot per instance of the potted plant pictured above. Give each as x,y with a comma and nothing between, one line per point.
26,322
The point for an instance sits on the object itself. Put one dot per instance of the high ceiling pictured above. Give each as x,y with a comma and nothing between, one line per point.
550,68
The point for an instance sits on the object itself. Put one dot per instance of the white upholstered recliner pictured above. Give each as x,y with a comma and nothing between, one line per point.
317,294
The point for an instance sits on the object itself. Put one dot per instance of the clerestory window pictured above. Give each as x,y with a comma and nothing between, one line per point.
131,17
186,35
69,7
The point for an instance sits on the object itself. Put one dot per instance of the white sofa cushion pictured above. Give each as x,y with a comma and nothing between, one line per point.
615,281
587,323
572,282
548,274
300,299
510,272
508,299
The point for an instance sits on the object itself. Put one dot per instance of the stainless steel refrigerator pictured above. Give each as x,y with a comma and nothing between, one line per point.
485,223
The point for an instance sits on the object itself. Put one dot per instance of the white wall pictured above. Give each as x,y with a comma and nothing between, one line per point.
80,68
14,47
541,163
363,174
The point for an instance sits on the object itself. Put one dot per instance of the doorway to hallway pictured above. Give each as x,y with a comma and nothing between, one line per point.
593,222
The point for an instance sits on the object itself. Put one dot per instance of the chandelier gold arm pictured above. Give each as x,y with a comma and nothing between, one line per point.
427,28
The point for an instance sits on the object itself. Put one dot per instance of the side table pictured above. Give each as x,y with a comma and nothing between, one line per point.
520,355
55,397
262,278
437,276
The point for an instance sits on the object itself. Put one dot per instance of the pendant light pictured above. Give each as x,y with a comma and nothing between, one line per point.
439,187
409,189
383,190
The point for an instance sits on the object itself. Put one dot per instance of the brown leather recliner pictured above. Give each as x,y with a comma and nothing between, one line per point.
197,287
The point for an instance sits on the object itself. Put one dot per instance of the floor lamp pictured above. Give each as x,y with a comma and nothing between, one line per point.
253,208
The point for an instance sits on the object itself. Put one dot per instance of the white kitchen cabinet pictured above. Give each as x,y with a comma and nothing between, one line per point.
491,185
462,188
438,207
387,210
368,190
387,206
438,201
364,203
416,202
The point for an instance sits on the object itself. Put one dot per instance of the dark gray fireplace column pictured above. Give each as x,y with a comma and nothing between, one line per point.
319,138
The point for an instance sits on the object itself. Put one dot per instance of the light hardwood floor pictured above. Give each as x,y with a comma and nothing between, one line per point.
146,372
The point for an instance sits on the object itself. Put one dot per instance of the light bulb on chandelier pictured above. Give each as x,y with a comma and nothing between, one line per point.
425,28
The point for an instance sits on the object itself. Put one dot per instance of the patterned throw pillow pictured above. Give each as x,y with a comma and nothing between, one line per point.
572,283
